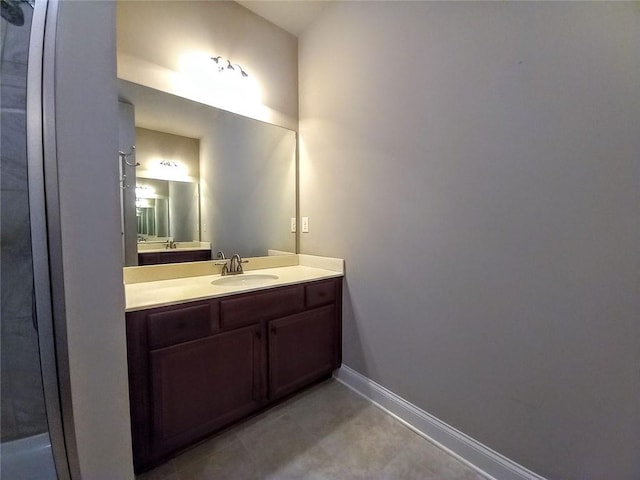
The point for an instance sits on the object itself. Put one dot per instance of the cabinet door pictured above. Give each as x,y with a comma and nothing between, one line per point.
302,348
201,385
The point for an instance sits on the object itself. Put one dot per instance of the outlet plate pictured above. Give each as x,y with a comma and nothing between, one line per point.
305,224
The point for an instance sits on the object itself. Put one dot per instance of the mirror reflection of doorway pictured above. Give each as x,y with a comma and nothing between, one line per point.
152,216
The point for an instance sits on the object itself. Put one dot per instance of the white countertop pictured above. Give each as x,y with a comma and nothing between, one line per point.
165,249
159,293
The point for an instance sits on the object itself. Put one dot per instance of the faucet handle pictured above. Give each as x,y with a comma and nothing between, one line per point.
225,268
240,262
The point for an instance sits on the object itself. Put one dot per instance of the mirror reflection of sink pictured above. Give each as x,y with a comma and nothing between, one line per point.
245,280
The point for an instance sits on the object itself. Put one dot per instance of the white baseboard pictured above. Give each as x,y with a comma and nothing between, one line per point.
473,453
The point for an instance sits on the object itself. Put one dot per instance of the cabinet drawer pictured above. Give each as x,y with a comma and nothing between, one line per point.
181,324
252,308
320,293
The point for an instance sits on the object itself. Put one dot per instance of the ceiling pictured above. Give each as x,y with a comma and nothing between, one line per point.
290,15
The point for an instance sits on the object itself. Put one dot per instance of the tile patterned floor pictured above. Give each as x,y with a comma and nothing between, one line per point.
327,432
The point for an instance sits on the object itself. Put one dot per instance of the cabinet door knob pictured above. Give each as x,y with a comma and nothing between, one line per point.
273,330
258,334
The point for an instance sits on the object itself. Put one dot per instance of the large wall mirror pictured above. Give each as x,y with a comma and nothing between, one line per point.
204,175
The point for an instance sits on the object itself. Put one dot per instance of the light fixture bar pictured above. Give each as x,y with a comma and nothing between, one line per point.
220,63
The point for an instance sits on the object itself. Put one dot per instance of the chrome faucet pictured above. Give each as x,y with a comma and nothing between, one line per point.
170,244
222,260
234,266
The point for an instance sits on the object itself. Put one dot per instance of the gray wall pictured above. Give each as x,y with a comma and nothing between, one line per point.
87,141
156,37
477,167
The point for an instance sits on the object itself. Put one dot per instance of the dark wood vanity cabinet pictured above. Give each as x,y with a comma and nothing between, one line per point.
198,386
197,367
173,256
301,349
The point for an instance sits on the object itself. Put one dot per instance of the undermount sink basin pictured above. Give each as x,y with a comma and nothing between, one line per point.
245,280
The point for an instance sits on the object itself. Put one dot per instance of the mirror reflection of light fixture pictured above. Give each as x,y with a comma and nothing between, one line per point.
168,163
219,60
144,191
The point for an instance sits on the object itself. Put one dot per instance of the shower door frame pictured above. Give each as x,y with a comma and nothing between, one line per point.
46,240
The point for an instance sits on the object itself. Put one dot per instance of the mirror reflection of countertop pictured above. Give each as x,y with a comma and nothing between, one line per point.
162,285
158,247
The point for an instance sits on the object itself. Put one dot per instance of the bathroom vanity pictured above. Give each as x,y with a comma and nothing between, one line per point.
173,256
158,253
198,366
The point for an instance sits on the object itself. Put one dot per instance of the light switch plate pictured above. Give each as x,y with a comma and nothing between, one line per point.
305,224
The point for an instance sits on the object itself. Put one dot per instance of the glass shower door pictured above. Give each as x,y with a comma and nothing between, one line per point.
25,449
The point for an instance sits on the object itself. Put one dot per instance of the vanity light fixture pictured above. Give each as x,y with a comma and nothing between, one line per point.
242,72
221,68
218,59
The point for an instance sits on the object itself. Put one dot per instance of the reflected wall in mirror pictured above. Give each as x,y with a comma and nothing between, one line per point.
246,174
152,209
167,210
